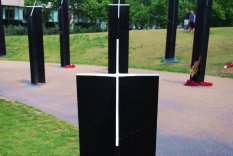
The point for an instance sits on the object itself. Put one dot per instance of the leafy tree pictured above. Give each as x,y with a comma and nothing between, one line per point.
222,14
45,4
158,13
143,13
95,9
138,13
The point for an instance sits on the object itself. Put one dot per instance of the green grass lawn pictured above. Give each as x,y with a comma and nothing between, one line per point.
26,131
146,50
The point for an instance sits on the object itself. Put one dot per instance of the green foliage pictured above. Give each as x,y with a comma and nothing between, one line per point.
138,13
147,14
158,13
222,14
20,30
28,131
95,9
51,31
15,30
80,29
46,10
143,13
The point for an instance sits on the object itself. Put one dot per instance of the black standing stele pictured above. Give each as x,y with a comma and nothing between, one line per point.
117,112
96,114
118,29
138,107
63,17
171,32
201,40
36,47
2,35
117,1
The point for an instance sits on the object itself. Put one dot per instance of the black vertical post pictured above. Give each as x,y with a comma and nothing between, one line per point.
117,1
97,115
120,119
138,95
63,16
118,29
36,47
2,36
138,108
201,39
171,32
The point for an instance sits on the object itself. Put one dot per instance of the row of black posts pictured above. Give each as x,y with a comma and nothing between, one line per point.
117,111
200,44
201,36
2,36
35,36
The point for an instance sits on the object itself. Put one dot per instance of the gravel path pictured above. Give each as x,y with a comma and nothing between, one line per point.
192,121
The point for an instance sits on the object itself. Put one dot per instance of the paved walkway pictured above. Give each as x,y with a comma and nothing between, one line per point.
192,121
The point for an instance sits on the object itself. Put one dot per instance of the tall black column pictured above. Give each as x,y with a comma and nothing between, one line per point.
64,32
201,40
36,47
117,1
138,107
97,115
118,112
118,30
171,32
2,36
137,97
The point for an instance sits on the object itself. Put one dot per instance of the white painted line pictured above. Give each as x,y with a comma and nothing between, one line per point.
115,75
117,110
117,88
119,8
117,56
118,4
95,74
33,8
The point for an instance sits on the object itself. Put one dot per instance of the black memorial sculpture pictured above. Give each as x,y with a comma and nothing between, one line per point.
2,35
118,1
171,32
118,28
36,47
63,17
201,40
117,112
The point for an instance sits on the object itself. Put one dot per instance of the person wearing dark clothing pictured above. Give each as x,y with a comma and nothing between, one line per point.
192,19
186,19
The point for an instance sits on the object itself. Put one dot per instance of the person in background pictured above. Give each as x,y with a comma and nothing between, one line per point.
192,19
186,19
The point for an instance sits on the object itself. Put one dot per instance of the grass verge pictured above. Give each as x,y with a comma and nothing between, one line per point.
27,131
146,50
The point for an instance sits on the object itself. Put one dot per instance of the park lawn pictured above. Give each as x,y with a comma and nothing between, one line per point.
26,131
146,50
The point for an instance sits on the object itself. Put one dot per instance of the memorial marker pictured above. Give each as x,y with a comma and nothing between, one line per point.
201,40
63,17
117,112
2,35
36,47
118,29
171,32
